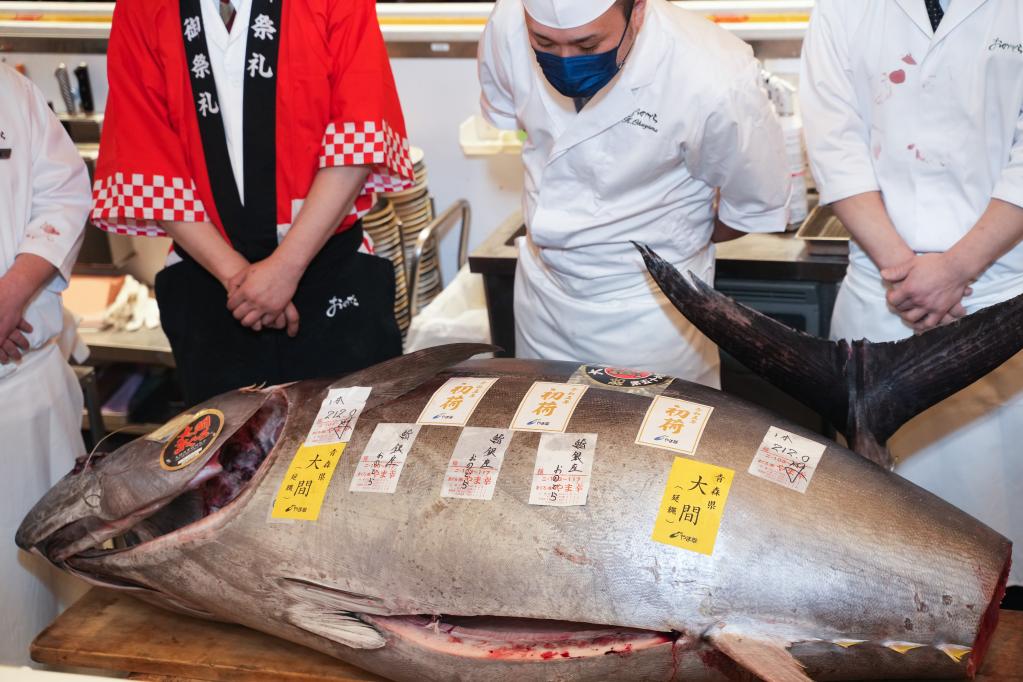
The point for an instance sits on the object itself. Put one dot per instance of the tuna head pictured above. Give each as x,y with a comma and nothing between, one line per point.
188,469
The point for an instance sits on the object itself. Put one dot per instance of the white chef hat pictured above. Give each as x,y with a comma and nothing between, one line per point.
566,13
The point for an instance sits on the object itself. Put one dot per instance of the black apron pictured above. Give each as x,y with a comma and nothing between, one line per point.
345,300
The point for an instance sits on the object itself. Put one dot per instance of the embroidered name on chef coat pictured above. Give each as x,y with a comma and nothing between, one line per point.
643,119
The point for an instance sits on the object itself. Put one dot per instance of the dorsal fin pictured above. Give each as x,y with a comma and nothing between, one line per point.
866,390
394,378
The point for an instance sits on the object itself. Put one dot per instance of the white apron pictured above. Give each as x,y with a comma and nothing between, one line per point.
44,202
638,329
40,428
642,161
967,448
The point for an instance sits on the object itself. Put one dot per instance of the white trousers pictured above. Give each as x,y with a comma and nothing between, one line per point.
640,329
40,438
968,449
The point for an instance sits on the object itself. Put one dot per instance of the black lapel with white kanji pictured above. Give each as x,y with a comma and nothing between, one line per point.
259,122
251,226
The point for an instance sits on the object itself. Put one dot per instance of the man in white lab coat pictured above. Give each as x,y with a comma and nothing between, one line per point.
44,201
914,123
637,114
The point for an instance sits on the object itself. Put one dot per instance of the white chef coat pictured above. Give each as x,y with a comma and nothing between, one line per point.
44,202
934,121
642,161
42,207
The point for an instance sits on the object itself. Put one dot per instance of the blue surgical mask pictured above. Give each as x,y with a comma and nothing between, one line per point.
583,75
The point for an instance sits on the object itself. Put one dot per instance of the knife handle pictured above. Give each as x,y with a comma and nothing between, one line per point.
64,81
84,88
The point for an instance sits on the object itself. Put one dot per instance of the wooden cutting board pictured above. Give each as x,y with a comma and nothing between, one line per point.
112,631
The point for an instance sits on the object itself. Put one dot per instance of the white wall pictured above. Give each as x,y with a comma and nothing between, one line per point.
437,95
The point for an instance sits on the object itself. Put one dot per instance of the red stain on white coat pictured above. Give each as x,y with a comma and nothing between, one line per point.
908,59
919,154
898,77
50,229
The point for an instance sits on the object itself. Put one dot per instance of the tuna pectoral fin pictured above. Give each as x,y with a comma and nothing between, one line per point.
331,614
765,659
343,628
395,378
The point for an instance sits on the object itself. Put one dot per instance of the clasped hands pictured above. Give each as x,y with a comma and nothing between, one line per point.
260,295
13,326
927,290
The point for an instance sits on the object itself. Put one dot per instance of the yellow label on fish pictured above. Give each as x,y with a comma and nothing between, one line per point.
693,505
305,485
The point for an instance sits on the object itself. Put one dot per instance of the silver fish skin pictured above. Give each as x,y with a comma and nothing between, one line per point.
865,576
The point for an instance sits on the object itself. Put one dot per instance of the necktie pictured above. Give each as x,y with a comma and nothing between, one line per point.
935,13
227,13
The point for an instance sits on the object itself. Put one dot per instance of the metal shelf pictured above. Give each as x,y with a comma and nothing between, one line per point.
752,20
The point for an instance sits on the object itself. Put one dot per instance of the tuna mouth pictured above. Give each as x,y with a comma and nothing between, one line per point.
222,480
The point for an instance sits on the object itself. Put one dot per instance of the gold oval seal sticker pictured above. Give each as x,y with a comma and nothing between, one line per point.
192,441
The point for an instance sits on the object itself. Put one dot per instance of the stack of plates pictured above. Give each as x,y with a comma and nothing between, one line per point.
414,209
383,227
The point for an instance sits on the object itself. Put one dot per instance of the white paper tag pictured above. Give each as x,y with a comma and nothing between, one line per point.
561,477
381,463
674,424
475,463
787,459
547,407
338,414
455,401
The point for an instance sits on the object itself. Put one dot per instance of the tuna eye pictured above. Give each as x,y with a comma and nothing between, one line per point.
88,461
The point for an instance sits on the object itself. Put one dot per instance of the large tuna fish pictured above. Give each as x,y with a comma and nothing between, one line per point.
832,570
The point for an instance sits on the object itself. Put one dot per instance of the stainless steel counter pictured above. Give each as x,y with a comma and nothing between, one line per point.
145,346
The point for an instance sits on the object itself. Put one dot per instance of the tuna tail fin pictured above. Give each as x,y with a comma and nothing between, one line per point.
866,390
766,659
396,377
905,378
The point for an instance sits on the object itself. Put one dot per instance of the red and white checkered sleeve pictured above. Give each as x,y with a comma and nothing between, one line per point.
136,204
370,143
366,125
142,177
